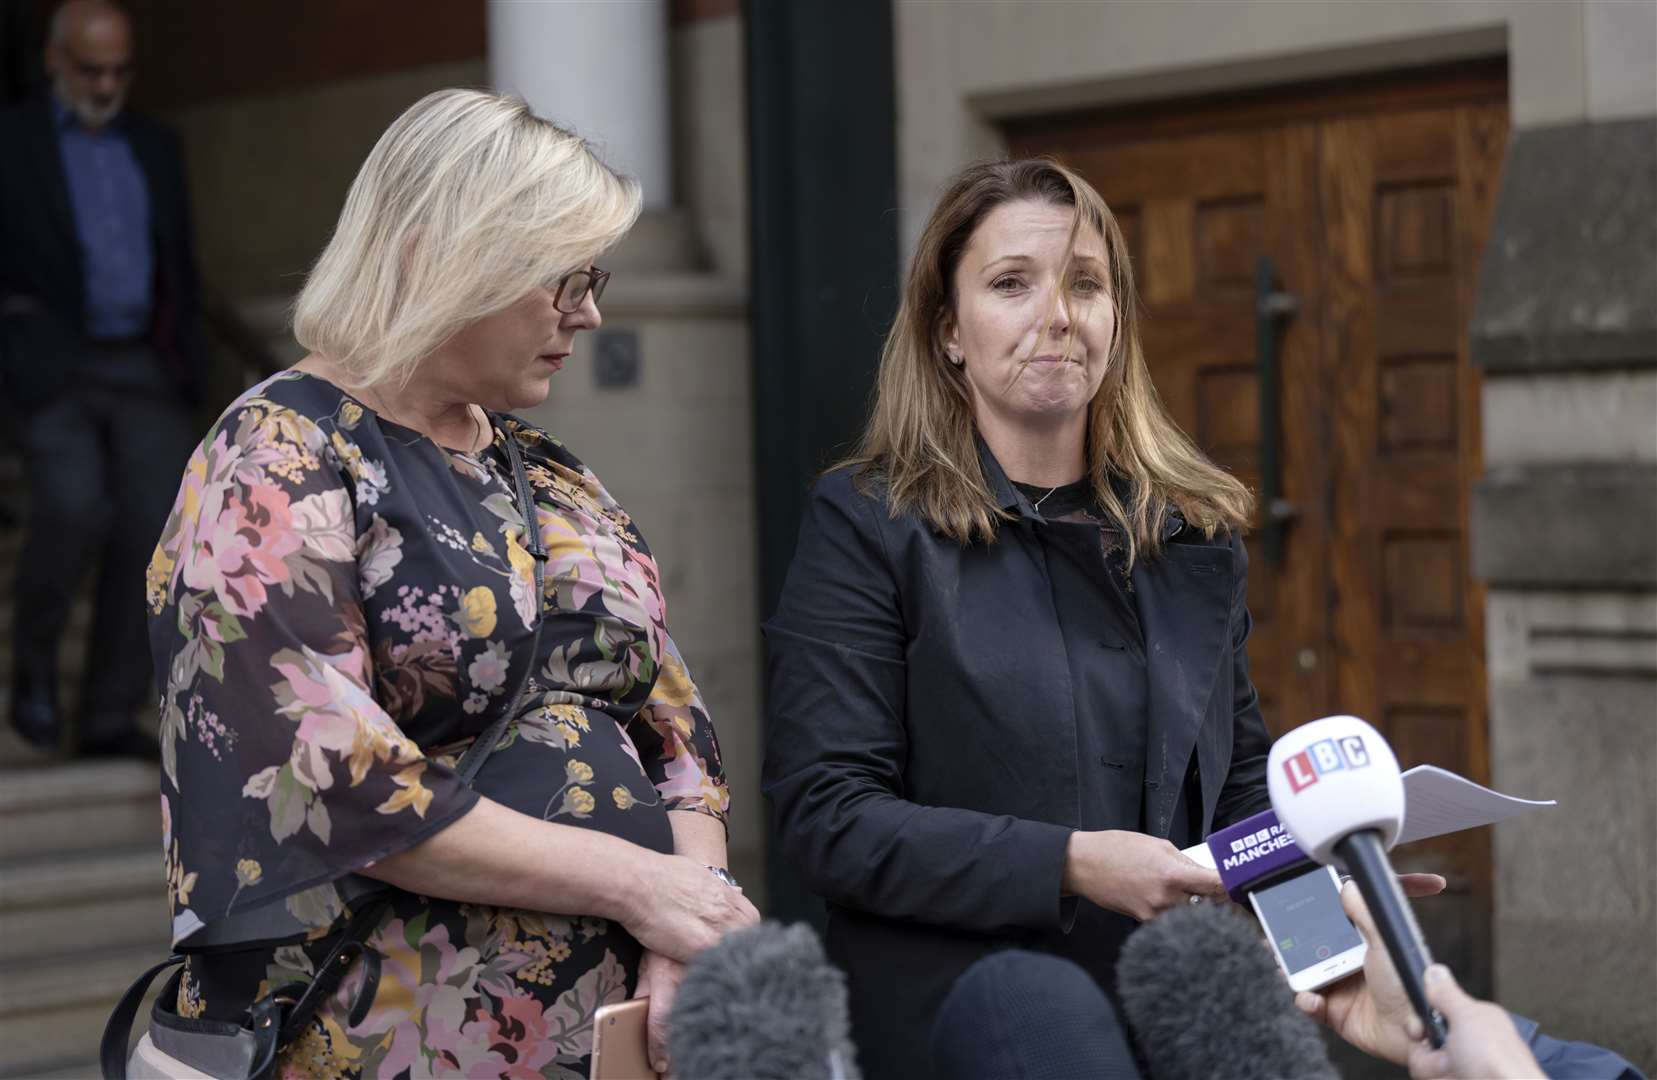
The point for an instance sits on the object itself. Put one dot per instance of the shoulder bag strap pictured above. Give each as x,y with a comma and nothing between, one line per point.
112,1050
484,744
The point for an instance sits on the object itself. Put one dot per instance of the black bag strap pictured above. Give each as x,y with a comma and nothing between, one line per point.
112,1049
484,745
283,1013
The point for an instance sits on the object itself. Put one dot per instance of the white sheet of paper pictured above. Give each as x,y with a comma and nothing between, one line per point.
1436,801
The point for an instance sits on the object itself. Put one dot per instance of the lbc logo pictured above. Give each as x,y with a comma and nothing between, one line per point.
1325,757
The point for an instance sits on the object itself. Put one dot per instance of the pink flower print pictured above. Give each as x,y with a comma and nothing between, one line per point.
244,550
201,498
643,582
513,1042
335,712
406,1005
573,564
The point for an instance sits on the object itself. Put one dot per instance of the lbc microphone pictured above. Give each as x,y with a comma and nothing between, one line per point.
1335,785
1203,997
763,1003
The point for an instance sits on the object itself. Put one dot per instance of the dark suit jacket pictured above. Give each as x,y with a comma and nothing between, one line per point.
42,281
921,747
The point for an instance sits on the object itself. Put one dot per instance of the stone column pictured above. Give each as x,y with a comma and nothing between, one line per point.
1565,536
658,402
598,66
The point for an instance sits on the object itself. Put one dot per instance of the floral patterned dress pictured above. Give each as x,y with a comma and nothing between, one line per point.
339,606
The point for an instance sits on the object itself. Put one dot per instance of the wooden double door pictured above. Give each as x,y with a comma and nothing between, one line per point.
1372,203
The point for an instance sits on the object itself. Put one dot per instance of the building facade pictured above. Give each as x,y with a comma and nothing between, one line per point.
1460,196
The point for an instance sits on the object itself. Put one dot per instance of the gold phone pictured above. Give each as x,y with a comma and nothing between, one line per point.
619,1042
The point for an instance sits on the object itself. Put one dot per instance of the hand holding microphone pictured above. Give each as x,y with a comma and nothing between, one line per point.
1335,785
1482,1042
1370,1011
1140,876
1373,1014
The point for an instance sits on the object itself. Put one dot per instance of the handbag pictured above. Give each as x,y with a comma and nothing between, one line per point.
225,1050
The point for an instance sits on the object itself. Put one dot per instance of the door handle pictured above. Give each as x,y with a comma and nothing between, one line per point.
1271,307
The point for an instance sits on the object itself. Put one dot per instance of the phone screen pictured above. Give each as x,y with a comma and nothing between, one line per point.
1303,915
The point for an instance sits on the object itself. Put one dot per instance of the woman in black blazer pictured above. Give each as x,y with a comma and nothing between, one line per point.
1007,673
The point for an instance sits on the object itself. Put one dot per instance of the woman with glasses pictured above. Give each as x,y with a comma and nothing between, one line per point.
346,600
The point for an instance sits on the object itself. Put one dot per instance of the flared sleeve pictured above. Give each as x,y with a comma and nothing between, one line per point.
280,770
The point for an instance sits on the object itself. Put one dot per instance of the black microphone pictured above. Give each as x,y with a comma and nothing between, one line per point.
1335,785
1029,1015
1203,997
764,1003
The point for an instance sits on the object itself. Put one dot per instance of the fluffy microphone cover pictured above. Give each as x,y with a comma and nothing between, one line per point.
1203,997
763,1004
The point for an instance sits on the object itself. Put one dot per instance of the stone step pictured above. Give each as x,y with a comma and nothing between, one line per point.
79,806
78,1068
14,752
92,900
52,1010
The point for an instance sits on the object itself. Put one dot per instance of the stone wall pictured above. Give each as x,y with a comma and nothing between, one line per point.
1565,534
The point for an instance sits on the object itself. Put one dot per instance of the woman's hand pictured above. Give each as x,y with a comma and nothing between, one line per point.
1370,1010
678,908
1140,876
659,980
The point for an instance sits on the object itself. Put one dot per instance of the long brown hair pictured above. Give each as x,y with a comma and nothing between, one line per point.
920,440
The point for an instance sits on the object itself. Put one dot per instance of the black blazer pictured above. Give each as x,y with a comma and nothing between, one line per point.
42,282
921,743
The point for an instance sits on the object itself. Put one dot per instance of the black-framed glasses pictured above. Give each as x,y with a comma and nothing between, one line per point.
574,287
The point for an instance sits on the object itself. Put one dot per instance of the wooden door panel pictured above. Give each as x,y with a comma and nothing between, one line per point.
1165,235
1414,318
1199,168
1408,632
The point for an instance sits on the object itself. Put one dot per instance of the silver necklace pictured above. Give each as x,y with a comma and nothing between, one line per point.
1043,499
479,441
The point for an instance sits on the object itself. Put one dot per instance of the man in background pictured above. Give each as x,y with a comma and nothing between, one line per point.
101,363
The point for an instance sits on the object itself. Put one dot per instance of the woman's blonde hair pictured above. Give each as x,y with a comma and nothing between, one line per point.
920,439
466,204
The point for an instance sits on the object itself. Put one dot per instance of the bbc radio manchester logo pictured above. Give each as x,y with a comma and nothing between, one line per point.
1322,758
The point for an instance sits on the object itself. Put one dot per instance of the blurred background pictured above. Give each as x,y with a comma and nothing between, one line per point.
1398,261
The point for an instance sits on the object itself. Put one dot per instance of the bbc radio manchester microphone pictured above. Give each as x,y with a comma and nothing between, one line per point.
1255,853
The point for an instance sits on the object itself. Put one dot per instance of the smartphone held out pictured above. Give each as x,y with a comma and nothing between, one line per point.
1313,940
619,1042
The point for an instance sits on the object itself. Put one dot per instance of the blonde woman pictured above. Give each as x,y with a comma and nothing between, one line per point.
1007,672
345,599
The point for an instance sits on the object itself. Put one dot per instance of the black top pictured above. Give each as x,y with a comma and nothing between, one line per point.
928,718
1104,648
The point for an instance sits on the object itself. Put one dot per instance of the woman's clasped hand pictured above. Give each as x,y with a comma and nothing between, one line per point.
684,909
